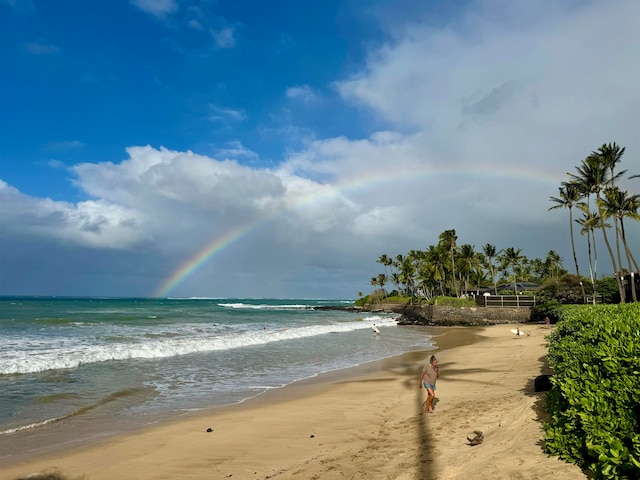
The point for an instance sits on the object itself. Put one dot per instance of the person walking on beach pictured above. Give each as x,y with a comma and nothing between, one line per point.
428,377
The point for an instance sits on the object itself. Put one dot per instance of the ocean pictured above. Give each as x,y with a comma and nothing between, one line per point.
132,361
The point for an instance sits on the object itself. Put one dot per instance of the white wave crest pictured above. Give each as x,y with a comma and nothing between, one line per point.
43,356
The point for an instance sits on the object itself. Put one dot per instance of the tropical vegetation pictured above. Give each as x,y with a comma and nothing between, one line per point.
594,191
594,405
460,271
451,269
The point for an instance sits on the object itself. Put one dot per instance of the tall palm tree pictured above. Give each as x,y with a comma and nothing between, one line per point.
435,263
590,221
630,209
610,154
553,263
568,197
612,205
469,261
593,176
408,275
387,262
382,281
490,252
511,257
618,204
448,239
374,284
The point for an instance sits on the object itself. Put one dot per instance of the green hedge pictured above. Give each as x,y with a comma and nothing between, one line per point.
454,302
594,404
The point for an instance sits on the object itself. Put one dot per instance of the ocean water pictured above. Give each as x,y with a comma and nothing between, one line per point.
86,360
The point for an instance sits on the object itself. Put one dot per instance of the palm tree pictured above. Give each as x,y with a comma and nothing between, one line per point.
630,208
448,239
512,257
408,274
386,261
553,263
436,265
469,261
610,154
382,281
490,252
590,221
568,197
374,284
593,176
612,201
618,204
479,274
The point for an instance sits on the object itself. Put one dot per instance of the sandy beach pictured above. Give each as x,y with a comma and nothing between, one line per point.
365,422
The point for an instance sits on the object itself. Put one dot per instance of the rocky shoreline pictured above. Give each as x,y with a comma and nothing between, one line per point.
443,316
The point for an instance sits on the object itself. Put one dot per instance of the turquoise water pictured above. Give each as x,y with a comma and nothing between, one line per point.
74,360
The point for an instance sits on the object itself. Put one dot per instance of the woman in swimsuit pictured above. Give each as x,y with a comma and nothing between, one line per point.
428,377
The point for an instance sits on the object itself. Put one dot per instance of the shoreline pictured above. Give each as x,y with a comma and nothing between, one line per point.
364,421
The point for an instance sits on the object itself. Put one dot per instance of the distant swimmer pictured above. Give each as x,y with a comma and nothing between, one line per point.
375,329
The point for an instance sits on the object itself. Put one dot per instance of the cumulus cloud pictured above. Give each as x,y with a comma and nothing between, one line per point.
483,117
96,224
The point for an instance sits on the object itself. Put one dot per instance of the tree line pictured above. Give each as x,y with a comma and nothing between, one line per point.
594,192
449,269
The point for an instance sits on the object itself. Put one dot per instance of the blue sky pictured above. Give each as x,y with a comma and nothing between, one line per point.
136,133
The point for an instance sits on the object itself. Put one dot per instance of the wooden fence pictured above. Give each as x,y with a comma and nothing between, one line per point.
511,301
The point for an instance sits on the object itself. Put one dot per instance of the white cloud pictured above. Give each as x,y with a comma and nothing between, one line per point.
221,113
40,48
483,118
302,93
95,224
157,8
235,149
63,146
224,37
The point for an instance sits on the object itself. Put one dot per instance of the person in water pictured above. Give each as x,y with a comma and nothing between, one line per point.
428,377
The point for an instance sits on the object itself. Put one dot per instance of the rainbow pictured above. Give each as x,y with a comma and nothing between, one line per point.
220,243
200,258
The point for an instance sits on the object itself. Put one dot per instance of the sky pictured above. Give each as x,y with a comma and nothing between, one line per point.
243,148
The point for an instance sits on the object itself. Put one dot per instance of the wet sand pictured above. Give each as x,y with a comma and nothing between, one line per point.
364,422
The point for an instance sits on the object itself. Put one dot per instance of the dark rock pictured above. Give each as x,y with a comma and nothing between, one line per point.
542,383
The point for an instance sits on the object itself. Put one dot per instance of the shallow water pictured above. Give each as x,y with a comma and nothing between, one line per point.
118,362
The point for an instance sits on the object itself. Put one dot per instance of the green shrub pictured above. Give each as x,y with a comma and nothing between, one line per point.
454,302
547,309
594,405
396,299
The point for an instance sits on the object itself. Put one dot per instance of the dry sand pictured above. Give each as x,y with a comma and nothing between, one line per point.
359,423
